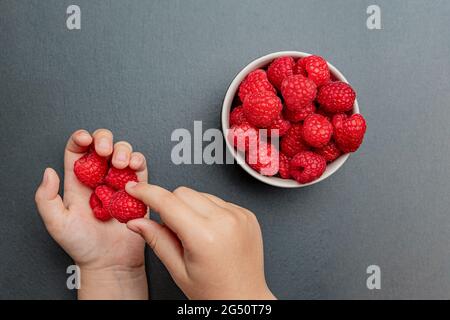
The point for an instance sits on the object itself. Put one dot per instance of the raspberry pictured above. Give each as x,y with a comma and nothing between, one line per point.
279,69
284,166
118,178
300,115
307,166
264,159
292,142
336,97
101,214
242,136
104,194
317,130
299,67
124,207
94,201
281,125
256,81
349,131
237,116
298,92
317,69
90,169
330,152
261,109
100,201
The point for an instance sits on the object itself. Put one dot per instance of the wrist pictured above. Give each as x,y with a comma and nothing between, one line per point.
113,283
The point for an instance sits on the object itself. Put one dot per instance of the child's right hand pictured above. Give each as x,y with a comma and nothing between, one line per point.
212,248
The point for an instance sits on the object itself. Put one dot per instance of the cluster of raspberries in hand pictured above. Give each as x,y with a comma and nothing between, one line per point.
309,108
109,198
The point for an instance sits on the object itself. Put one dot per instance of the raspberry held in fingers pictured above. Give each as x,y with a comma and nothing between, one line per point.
125,208
118,178
90,169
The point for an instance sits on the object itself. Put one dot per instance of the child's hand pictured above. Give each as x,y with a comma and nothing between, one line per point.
110,256
212,248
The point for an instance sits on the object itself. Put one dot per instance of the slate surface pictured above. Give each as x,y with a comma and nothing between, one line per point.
145,68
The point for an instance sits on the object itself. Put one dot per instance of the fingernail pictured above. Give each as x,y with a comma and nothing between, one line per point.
45,177
136,162
131,184
121,156
84,134
103,144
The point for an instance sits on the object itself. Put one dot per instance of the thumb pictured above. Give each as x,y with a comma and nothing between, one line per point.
163,242
48,201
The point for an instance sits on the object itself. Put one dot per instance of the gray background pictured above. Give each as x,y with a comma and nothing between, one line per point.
145,68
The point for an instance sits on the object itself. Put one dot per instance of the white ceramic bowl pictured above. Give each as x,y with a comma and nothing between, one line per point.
226,108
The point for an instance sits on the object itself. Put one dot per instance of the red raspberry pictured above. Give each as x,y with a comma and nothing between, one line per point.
242,136
299,68
300,115
256,81
279,69
104,194
101,213
124,207
298,92
261,109
317,69
100,201
317,130
94,201
349,131
336,97
307,166
90,169
284,166
281,125
264,159
330,152
237,116
118,178
292,142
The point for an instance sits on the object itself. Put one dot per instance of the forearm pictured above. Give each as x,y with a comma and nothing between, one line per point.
113,284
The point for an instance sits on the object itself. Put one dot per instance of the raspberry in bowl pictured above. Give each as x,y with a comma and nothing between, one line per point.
291,119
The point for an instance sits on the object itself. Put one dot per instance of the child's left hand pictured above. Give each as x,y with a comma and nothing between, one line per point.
110,256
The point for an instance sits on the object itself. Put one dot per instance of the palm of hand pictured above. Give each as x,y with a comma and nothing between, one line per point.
96,243
91,243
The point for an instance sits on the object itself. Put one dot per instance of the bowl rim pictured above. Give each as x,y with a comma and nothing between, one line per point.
225,117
